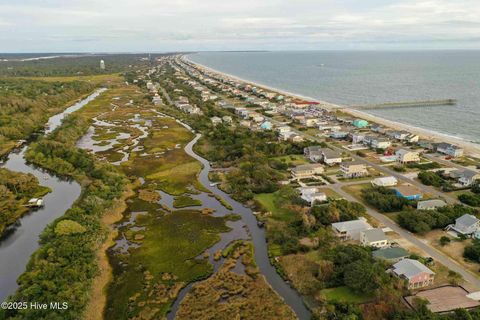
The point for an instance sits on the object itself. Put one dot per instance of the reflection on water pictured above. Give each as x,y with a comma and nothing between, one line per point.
22,239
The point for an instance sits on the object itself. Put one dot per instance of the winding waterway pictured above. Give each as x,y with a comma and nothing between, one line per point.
22,238
257,234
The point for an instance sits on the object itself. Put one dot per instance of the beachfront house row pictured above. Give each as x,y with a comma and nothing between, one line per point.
350,230
353,169
466,225
307,170
431,204
385,181
373,238
407,156
449,149
416,274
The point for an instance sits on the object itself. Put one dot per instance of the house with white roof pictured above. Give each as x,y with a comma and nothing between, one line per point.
416,274
385,181
350,230
311,195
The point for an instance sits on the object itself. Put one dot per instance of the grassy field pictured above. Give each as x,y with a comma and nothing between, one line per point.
344,294
267,201
228,295
292,160
164,262
186,201
96,79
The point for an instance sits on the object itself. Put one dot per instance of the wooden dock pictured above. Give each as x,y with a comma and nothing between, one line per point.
407,104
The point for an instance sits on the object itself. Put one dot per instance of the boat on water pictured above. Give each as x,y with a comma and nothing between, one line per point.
35,203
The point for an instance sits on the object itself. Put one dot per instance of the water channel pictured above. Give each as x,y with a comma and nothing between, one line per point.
21,239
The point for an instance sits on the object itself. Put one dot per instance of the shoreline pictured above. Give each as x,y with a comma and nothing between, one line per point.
469,147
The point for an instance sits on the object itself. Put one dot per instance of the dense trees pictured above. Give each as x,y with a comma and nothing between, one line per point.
470,199
26,106
435,179
335,211
384,199
72,66
355,268
420,221
472,251
15,189
65,264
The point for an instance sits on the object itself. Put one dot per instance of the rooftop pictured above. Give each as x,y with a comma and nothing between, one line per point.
373,235
410,268
390,253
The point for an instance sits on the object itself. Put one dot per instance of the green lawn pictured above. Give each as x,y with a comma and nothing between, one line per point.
267,201
344,294
293,159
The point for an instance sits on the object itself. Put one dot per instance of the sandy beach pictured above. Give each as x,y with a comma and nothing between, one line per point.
469,147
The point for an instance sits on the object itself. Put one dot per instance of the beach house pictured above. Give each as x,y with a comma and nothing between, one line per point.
307,170
312,195
350,230
353,169
407,156
431,204
466,225
416,274
449,149
465,177
385,181
373,238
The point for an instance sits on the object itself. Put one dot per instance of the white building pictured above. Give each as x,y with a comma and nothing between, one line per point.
350,230
385,181
373,238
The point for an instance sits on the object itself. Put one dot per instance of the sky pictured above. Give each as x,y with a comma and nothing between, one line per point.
202,25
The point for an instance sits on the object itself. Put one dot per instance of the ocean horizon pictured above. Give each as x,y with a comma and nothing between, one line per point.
369,77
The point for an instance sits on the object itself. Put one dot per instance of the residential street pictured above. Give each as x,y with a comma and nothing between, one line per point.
434,253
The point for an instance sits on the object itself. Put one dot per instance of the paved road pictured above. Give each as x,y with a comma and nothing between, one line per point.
434,253
385,170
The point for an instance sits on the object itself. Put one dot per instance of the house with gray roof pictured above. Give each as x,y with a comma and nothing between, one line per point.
350,230
465,177
415,273
431,204
373,238
391,254
465,225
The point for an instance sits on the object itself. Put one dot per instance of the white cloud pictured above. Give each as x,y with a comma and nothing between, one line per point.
158,25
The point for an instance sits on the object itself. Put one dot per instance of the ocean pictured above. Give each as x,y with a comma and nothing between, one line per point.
369,77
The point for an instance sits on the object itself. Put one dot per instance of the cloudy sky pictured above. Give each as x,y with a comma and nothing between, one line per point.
167,25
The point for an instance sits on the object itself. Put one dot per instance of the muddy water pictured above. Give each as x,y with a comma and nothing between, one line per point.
22,238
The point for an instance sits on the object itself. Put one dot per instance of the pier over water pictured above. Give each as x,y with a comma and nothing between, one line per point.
407,104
